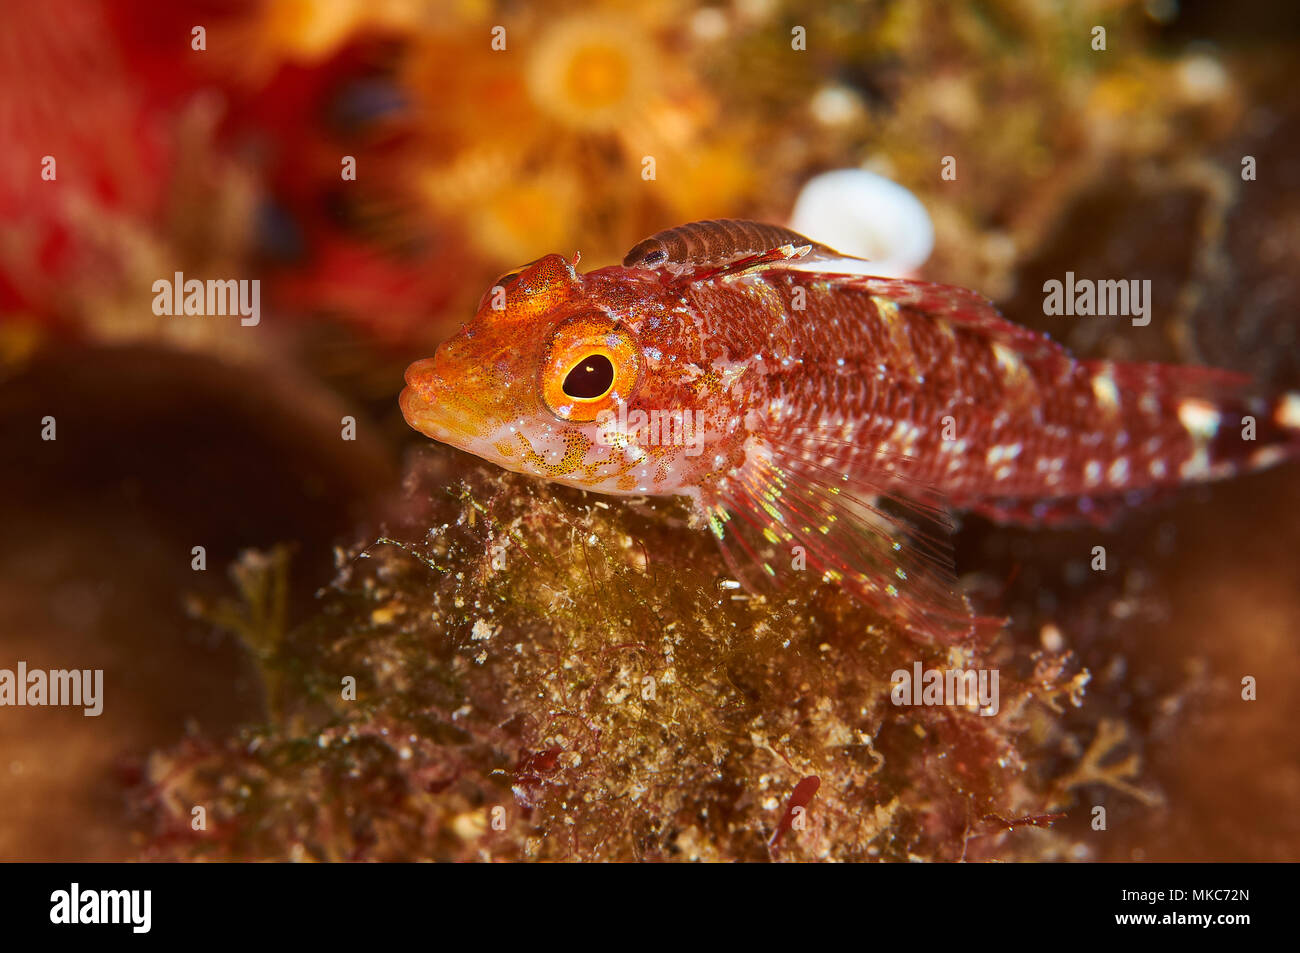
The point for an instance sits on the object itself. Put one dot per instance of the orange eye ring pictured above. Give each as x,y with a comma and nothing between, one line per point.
590,365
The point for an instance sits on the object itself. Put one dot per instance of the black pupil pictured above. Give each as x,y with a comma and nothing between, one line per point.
590,378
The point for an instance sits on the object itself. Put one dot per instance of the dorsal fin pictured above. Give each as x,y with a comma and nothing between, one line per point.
713,244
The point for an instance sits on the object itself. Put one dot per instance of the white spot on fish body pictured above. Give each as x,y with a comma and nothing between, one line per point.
1199,418
1288,411
1003,452
1267,456
1009,362
1118,472
1198,465
1105,391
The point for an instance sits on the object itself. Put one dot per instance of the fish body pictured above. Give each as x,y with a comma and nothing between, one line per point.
820,418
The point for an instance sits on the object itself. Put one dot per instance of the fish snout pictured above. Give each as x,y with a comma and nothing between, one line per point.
444,405
420,372
423,400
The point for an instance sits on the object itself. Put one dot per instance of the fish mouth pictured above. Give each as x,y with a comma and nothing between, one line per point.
439,411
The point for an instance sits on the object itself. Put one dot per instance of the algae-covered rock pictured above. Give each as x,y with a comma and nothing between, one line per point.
543,674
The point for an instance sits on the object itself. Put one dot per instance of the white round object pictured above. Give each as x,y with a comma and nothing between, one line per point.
866,215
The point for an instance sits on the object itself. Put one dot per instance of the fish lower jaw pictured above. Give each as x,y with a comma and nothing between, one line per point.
602,486
429,417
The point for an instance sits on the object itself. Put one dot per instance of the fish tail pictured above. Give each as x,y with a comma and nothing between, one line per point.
1239,434
1148,430
1280,440
1193,424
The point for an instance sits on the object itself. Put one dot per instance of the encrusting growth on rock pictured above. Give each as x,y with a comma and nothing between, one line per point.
540,675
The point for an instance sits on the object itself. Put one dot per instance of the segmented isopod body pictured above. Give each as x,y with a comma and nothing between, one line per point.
701,243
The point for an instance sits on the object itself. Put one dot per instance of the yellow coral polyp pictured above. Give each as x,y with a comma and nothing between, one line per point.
524,219
588,73
597,76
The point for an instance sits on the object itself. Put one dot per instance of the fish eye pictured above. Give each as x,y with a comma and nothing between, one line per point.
591,364
590,379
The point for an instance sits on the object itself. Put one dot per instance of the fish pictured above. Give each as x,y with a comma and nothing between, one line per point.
824,422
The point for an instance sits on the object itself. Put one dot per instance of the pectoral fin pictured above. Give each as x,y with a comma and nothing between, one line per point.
786,519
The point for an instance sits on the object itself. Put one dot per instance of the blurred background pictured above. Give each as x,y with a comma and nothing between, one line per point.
225,162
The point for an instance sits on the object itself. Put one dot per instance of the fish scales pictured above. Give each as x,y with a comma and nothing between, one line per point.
786,396
1038,426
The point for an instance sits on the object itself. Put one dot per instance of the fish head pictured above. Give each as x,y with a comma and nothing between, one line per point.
539,382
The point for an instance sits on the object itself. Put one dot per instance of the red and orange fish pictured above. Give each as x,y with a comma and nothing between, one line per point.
821,418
